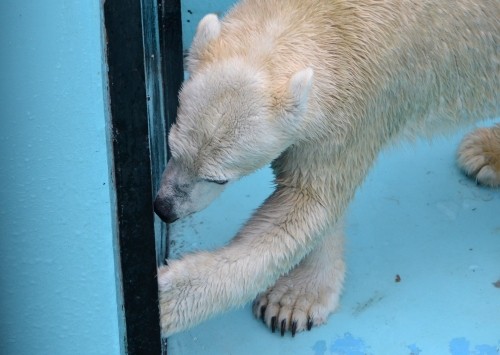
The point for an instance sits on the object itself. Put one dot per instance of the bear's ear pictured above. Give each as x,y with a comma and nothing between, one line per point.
294,101
208,30
299,87
173,131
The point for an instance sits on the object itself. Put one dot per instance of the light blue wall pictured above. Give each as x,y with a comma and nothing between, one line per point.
57,283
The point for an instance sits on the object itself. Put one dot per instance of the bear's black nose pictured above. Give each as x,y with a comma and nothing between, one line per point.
164,210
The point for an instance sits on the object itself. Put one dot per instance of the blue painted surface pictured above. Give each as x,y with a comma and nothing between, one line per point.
57,283
348,345
462,346
414,349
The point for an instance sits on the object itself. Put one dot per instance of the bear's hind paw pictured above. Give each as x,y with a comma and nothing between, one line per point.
479,155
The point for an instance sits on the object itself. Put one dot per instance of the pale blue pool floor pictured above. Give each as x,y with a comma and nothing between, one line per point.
416,216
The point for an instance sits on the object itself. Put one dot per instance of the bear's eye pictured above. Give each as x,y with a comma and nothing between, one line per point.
218,182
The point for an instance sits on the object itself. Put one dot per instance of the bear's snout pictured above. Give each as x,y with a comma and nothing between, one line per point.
163,208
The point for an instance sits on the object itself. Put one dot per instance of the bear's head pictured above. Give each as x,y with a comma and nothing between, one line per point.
229,124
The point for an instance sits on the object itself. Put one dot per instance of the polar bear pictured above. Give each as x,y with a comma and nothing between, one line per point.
316,88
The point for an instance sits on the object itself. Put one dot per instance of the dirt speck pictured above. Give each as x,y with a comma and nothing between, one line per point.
361,307
397,278
496,283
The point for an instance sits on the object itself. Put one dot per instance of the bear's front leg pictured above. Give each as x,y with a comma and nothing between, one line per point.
279,235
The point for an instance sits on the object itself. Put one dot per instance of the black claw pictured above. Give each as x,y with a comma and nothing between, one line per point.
262,312
273,324
283,327
309,323
294,328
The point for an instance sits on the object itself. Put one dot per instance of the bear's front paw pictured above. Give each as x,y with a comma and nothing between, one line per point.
177,297
479,155
295,305
169,288
186,291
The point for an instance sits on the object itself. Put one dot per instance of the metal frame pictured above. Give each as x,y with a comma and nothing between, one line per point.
142,98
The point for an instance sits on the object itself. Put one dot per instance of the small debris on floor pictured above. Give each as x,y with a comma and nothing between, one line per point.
497,284
398,278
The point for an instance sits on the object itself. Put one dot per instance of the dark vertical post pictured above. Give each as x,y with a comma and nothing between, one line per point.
136,257
172,58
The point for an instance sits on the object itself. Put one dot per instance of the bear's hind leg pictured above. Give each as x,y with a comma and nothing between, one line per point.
309,293
479,155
